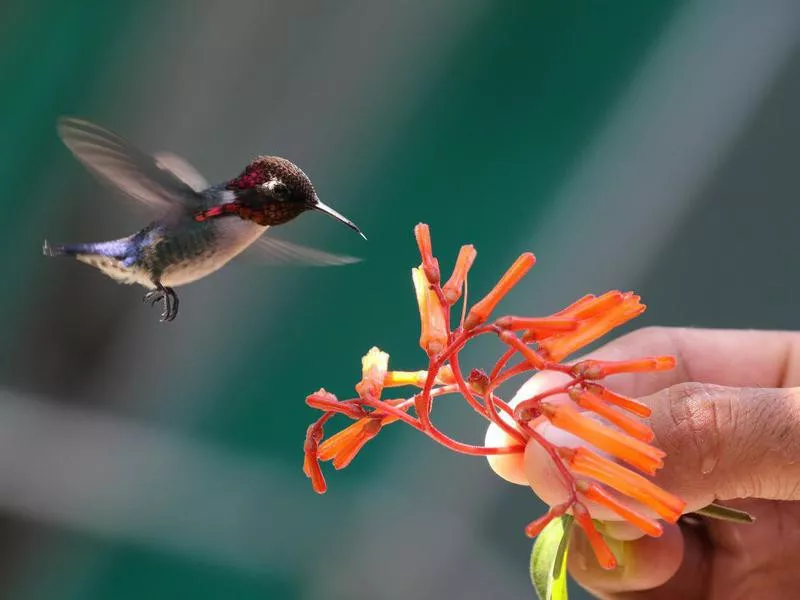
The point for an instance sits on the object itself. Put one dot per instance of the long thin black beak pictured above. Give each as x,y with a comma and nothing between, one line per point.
320,206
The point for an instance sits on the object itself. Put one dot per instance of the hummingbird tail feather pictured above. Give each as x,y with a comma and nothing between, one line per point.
114,258
49,250
116,249
66,249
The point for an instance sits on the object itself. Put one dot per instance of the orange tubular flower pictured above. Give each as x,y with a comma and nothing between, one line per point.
629,404
534,528
342,447
433,335
539,324
481,311
598,369
599,317
325,401
533,344
430,265
311,463
455,285
585,462
374,366
601,550
591,306
591,402
403,378
595,493
417,378
632,451
534,359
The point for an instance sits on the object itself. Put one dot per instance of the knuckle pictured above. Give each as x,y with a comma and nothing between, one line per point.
694,419
739,442
772,438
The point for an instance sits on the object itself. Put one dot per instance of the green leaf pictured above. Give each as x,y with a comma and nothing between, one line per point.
725,513
549,560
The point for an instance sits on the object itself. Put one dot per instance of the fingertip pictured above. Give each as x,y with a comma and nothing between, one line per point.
642,564
620,530
511,467
508,466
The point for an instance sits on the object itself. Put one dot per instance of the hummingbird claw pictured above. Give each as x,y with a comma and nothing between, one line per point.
166,295
153,296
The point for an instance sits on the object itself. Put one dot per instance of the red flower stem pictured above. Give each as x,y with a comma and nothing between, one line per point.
454,445
311,466
464,388
461,337
489,410
457,341
503,405
536,359
492,402
569,480
316,426
409,402
467,393
441,391
509,373
507,355
524,367
387,409
532,403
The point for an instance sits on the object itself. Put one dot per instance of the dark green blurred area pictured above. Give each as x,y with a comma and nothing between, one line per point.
474,117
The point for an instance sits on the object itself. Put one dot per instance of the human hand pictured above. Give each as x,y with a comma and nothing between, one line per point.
728,418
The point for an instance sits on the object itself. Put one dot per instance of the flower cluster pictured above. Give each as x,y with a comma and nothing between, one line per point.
591,474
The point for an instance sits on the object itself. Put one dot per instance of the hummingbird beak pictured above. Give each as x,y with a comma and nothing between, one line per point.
322,207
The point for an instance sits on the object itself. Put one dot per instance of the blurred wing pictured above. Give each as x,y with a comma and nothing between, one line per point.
181,169
268,249
114,160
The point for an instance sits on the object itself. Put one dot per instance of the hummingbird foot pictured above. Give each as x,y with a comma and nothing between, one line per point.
169,298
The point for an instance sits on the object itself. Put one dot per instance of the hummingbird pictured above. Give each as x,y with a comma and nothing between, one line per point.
199,227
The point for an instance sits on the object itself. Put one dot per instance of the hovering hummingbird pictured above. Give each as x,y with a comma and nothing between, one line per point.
201,227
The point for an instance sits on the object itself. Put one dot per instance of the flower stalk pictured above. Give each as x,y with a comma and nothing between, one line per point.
606,421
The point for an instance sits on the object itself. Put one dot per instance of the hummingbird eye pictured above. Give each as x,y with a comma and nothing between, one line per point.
278,189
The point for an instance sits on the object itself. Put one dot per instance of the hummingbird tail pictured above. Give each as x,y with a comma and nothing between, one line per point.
67,249
49,250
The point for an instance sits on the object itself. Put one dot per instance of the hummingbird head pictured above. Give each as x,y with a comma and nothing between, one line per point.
278,191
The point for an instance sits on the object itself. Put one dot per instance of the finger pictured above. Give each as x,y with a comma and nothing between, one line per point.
721,443
735,358
725,357
672,566
724,442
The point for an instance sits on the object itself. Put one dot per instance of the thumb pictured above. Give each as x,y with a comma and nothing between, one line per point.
724,442
721,443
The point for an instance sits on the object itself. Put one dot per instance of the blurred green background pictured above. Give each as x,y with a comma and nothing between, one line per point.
631,145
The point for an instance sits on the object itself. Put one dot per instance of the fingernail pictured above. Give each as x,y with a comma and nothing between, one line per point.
584,556
620,550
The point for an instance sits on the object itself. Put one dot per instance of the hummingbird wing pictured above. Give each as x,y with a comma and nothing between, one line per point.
114,160
181,169
268,249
